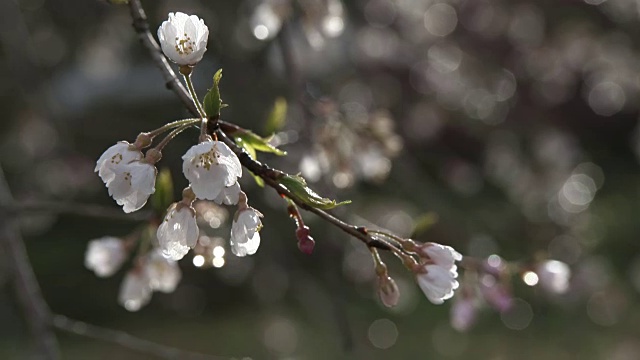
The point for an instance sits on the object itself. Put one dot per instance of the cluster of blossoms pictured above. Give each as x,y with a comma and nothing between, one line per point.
213,170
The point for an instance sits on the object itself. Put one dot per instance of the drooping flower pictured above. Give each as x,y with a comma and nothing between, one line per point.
183,38
135,290
105,256
210,167
245,236
178,232
437,282
119,154
132,184
163,274
436,275
554,276
441,255
229,195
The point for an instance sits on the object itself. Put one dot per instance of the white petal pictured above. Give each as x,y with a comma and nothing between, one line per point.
118,154
178,232
249,247
437,283
229,195
105,256
135,291
245,238
441,255
164,274
209,169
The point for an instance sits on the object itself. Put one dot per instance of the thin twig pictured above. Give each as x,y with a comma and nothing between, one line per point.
259,169
125,340
36,310
85,210
172,82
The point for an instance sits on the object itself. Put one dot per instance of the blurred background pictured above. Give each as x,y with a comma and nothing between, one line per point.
514,124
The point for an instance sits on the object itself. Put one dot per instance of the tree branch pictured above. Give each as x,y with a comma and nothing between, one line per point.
265,172
125,340
85,210
36,310
172,82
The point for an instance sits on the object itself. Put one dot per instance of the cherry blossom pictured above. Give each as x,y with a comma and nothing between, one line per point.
105,256
183,38
210,167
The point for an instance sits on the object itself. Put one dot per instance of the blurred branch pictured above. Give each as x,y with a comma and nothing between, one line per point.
125,340
36,310
85,210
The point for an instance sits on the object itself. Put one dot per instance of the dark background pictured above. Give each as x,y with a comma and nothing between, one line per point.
493,106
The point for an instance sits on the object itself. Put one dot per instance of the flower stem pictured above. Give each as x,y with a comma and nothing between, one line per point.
390,236
194,97
172,135
172,125
407,260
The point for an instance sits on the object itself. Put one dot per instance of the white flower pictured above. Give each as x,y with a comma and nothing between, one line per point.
183,38
229,195
437,273
210,167
245,236
441,255
132,184
135,291
437,282
119,154
554,276
178,232
163,274
104,256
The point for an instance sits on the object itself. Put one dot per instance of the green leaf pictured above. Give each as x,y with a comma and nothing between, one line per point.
162,198
259,143
252,152
278,116
298,186
212,102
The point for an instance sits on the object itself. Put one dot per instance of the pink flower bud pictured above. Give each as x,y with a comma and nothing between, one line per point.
305,241
388,291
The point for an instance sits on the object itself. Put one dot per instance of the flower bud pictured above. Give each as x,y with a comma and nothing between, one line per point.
305,241
388,291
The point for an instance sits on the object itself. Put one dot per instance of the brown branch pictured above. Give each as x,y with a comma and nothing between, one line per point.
36,310
268,174
125,340
85,210
141,25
